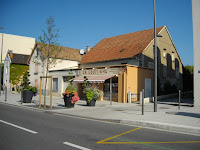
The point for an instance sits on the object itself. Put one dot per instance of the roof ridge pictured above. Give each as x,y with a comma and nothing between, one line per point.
132,32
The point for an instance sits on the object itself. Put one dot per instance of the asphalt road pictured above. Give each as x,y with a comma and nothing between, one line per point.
23,129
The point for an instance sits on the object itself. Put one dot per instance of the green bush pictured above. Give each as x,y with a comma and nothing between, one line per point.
71,87
31,88
169,88
97,94
89,95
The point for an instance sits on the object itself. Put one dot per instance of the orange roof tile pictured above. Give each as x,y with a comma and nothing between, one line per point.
120,47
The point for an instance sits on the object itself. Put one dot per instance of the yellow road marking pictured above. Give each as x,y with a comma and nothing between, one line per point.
104,141
118,135
149,142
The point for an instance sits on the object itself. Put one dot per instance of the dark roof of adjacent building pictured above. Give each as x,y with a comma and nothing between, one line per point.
19,59
64,52
120,47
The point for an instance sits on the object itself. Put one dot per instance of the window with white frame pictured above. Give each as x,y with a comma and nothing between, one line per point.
55,84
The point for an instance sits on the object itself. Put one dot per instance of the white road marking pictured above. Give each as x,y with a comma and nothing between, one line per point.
76,146
16,126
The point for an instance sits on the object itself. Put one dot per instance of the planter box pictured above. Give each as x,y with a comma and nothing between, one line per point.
92,103
27,96
67,101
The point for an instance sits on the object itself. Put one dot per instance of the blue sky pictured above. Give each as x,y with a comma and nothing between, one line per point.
85,22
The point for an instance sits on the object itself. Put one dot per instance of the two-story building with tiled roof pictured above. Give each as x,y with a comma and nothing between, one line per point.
127,63
67,59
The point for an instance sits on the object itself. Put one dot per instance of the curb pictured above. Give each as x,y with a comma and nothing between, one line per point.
165,126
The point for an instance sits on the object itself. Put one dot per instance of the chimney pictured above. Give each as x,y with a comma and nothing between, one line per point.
88,48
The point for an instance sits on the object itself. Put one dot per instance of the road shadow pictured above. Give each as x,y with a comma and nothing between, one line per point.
175,101
195,115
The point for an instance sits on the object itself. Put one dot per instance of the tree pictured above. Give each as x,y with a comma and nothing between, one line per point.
188,78
25,81
50,47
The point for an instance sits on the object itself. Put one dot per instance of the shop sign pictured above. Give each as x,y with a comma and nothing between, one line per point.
100,71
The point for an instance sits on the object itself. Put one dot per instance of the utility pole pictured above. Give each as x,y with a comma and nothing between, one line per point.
1,60
155,61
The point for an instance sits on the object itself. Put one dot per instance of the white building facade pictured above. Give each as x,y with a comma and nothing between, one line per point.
18,44
196,43
61,71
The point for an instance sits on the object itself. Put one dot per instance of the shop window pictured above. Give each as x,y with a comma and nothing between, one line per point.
106,89
55,84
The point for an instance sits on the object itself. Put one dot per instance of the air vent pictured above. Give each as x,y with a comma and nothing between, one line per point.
122,50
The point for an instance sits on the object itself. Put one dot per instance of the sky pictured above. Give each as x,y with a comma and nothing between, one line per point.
84,23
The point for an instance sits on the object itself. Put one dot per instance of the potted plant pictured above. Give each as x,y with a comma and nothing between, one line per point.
92,94
29,91
70,96
90,100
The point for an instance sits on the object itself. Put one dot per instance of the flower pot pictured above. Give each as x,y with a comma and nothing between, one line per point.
27,96
91,103
67,101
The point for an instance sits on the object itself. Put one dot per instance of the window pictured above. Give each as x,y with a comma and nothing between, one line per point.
173,57
36,68
55,84
36,83
6,70
164,53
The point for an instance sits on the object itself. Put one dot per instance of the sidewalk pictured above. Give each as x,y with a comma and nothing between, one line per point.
168,117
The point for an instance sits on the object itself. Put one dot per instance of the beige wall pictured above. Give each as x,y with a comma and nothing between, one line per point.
164,42
142,74
132,78
19,44
166,52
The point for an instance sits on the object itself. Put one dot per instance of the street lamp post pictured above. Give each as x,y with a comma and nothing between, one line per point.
155,59
1,59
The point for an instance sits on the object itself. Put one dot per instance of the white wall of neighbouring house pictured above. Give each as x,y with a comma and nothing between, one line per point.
36,70
62,64
61,69
19,44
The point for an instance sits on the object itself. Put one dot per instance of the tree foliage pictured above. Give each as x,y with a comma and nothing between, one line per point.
188,78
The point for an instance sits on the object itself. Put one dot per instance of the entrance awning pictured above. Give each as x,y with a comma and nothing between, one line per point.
93,78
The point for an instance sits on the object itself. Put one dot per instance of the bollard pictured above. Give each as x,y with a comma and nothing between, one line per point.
143,102
179,100
5,93
110,91
22,94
